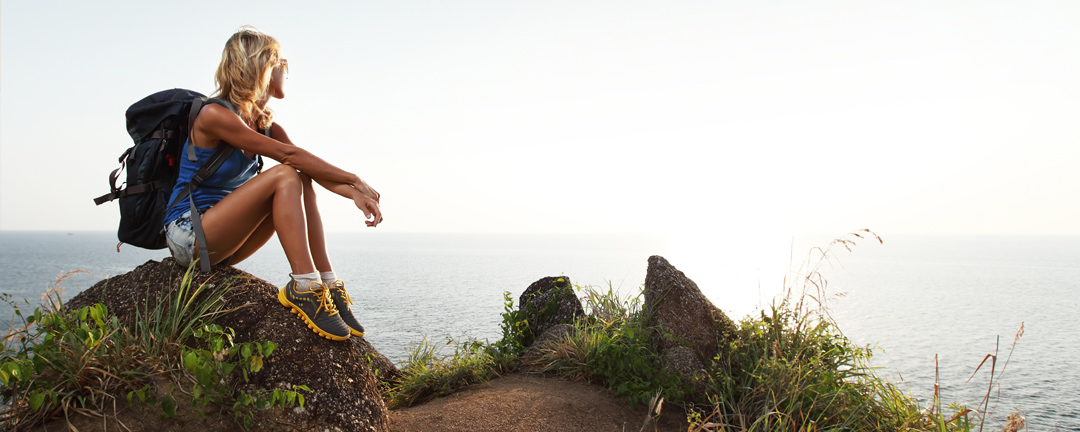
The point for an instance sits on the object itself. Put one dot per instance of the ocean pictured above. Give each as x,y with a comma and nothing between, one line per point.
913,297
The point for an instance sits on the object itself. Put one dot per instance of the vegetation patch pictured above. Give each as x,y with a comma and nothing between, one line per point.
62,362
789,368
612,346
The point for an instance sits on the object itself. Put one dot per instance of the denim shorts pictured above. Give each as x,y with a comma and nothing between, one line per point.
180,237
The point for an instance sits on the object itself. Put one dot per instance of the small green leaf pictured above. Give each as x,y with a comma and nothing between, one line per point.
202,375
246,351
256,363
169,407
268,348
36,400
190,361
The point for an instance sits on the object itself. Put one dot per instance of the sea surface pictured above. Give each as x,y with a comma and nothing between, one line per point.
959,298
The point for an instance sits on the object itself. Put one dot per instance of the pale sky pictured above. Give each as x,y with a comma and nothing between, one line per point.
687,118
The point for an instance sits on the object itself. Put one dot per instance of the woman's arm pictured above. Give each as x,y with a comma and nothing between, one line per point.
346,190
216,123
368,205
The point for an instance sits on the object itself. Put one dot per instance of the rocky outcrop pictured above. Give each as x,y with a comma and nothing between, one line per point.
549,302
691,327
341,375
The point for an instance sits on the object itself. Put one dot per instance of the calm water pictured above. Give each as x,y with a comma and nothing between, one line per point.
911,298
954,296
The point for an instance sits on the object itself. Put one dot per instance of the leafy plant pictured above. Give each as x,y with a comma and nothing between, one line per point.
65,362
212,366
516,335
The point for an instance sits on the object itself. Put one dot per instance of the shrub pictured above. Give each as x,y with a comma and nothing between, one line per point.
612,346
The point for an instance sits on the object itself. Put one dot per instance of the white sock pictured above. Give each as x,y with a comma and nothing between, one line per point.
303,281
328,277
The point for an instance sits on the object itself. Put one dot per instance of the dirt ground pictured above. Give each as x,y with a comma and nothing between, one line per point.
516,402
531,403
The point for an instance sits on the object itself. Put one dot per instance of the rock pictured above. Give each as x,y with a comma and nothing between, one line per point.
682,359
685,361
549,302
530,361
344,388
686,317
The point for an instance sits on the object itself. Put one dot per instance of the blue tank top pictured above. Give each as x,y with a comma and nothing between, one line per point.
237,170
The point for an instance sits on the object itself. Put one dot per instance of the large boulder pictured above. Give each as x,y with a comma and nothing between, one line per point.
686,318
344,392
549,302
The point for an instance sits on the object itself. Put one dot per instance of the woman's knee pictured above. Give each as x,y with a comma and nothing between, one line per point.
285,175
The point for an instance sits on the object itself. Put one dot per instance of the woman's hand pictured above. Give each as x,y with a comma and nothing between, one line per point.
370,207
365,189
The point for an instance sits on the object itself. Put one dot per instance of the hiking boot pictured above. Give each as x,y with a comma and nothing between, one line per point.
315,307
342,302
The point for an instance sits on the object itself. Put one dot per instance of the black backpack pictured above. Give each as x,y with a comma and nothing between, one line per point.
159,124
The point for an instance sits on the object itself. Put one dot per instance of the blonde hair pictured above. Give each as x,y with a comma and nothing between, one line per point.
243,77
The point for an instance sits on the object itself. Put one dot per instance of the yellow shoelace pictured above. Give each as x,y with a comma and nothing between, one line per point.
323,293
340,286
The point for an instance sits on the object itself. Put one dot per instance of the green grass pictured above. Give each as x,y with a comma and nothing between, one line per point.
428,374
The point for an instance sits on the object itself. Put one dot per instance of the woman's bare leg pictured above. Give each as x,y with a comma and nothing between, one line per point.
256,241
316,236
275,195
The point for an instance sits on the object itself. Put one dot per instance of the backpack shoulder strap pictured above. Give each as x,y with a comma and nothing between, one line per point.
228,105
196,106
208,169
221,153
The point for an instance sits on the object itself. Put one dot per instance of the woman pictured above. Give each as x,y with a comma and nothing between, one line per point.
241,210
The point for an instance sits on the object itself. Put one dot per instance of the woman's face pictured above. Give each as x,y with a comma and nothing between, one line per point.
278,76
